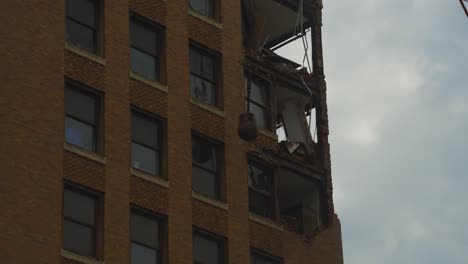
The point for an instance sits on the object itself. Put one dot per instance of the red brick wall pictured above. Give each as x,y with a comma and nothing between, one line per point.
35,163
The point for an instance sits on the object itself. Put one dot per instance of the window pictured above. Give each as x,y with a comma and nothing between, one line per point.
205,167
145,49
146,239
257,258
204,7
80,221
82,24
261,196
81,117
258,102
203,76
208,249
146,143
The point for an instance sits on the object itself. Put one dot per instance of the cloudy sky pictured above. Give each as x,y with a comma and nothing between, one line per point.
397,76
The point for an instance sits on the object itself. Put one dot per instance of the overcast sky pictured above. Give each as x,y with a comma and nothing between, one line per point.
397,77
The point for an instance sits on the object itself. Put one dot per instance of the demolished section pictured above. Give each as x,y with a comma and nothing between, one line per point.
286,186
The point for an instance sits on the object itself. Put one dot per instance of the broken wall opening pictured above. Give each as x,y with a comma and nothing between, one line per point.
300,202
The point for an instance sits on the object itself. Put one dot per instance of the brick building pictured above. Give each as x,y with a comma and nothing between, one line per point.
120,129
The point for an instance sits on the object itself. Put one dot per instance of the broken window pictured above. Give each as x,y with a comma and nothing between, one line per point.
299,201
261,191
205,167
203,76
258,102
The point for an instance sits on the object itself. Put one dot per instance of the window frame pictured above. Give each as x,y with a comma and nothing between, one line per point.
162,228
161,123
217,73
215,10
98,145
272,197
267,108
98,217
159,57
219,173
254,252
220,240
97,29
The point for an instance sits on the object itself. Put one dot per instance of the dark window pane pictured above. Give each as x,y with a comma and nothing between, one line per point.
205,250
80,105
195,61
145,230
204,7
143,38
204,154
204,182
202,90
259,204
145,159
260,115
145,130
78,207
208,68
78,238
143,255
259,259
257,93
202,63
79,134
143,64
83,11
259,178
81,36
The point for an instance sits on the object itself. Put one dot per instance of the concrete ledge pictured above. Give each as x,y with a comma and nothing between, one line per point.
79,258
210,201
212,109
84,153
85,54
152,83
205,19
265,222
268,133
149,177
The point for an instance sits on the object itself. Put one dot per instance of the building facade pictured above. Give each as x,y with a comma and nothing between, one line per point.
126,135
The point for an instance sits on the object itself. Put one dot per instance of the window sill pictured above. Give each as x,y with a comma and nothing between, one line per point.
206,19
78,258
210,201
268,133
149,177
212,109
265,222
85,54
152,83
84,153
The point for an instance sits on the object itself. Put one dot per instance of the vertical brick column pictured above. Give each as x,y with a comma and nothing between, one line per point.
179,139
322,109
236,161
117,133
31,130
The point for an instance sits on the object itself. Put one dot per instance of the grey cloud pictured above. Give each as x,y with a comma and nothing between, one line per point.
398,99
